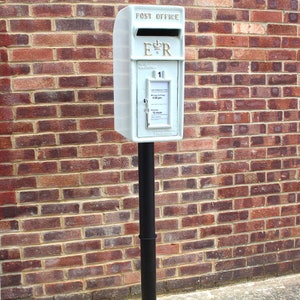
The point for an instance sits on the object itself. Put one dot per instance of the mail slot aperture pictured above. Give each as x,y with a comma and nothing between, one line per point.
157,32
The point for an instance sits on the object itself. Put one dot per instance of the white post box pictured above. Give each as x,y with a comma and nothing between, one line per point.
148,51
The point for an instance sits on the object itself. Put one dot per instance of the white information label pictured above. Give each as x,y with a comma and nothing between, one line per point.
159,104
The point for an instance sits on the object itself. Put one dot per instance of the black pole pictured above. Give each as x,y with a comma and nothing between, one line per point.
147,220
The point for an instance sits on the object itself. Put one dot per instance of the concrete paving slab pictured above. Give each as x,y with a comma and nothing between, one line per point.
278,288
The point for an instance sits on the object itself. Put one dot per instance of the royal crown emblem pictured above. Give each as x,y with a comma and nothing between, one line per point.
157,45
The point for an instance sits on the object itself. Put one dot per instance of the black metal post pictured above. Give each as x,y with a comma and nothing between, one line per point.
147,220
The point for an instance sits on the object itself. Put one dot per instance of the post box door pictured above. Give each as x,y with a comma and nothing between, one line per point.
157,98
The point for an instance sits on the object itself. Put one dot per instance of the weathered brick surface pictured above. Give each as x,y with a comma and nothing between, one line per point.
227,196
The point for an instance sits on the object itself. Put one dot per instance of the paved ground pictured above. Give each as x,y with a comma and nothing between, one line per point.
279,288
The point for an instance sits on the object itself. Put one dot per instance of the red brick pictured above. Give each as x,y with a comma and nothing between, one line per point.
64,287
17,183
266,16
283,104
80,110
206,27
52,10
53,68
119,267
42,251
181,235
10,280
241,191
248,54
101,39
203,144
17,266
84,10
233,67
79,166
232,14
85,272
17,293
32,54
17,69
249,4
233,240
215,3
41,224
198,41
52,209
166,225
107,231
62,235
50,153
79,247
198,221
34,112
21,239
266,66
13,40
99,95
201,268
101,283
282,222
95,67
249,226
43,277
55,96
37,168
15,127
104,256
78,138
264,42
52,40
101,178
290,187
233,41
3,55
228,217
7,198
282,79
56,126
215,53
265,213
59,181
80,193
5,84
8,11
39,196
78,81
63,262
179,184
231,264
265,189
216,230
25,84
15,155
265,165
76,54
30,25
283,5
18,211
233,92
81,221
35,141
99,150
225,143
281,55
74,24
117,190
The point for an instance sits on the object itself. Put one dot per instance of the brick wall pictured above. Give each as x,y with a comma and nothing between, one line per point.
227,196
